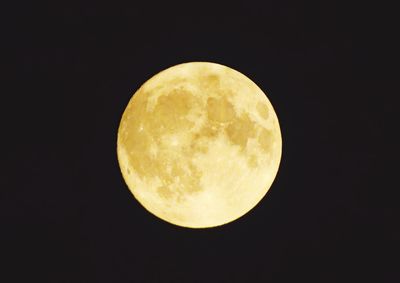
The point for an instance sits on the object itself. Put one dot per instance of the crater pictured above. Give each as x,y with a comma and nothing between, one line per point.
211,81
262,110
241,130
220,110
207,131
252,161
165,192
171,109
183,178
198,146
266,140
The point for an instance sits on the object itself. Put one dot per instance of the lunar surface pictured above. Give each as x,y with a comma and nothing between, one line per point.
199,145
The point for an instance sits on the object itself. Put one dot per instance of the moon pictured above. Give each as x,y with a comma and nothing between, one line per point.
199,145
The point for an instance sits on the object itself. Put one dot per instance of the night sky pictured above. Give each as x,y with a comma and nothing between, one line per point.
66,214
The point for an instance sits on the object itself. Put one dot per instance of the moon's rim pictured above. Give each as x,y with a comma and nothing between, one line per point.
279,156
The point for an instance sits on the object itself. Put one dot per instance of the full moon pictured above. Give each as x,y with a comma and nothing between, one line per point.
199,145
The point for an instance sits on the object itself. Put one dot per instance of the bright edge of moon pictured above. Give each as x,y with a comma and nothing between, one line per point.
199,145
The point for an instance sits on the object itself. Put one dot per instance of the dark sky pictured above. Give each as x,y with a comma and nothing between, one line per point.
66,214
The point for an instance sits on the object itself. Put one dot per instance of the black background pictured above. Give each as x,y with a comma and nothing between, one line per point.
66,214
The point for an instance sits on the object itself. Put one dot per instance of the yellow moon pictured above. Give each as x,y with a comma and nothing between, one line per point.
199,144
